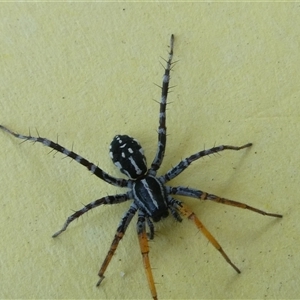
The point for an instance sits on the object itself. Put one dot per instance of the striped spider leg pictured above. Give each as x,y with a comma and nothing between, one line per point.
90,166
152,199
162,130
190,192
127,154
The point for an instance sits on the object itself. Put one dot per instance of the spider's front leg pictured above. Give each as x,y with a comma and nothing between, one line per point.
84,162
162,129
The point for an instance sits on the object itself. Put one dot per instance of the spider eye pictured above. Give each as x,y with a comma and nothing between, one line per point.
128,155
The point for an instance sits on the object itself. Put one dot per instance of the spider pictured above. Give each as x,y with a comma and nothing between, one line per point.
152,199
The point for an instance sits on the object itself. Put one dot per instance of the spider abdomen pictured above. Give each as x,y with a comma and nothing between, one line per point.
128,155
150,196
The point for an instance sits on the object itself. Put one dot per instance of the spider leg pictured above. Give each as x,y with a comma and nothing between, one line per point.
115,199
189,192
162,130
90,166
126,219
184,210
181,166
174,212
142,235
150,224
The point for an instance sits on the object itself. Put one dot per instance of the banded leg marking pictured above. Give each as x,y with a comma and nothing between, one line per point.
90,166
126,219
150,224
115,199
181,166
189,192
162,130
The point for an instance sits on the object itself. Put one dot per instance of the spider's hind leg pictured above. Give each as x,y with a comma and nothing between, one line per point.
190,192
126,219
184,210
240,205
143,240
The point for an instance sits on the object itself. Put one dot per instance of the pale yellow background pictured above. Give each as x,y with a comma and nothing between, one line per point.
85,72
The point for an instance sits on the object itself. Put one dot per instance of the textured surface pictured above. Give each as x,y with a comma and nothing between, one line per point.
85,72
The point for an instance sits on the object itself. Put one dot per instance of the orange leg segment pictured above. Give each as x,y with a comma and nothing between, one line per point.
217,199
112,249
143,240
118,236
191,215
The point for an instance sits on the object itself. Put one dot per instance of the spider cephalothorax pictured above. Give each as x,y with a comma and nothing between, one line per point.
128,155
152,198
149,193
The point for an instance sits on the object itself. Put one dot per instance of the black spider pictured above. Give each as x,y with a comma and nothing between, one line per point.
152,199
